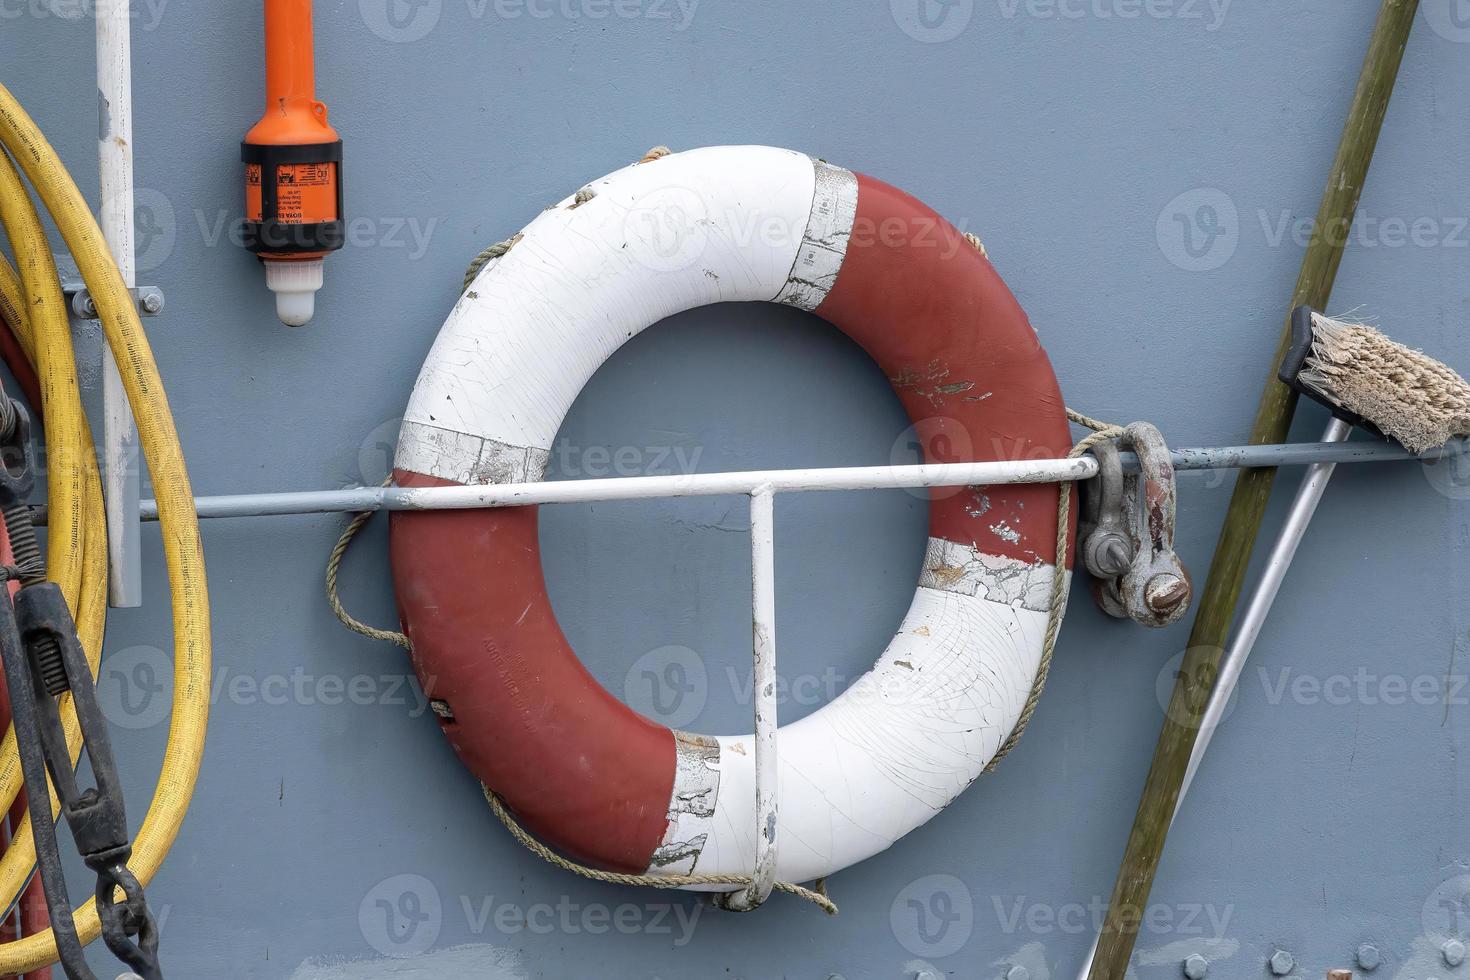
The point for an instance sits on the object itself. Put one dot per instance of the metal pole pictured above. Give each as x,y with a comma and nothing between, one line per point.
763,646
1303,506
120,470
358,499
643,488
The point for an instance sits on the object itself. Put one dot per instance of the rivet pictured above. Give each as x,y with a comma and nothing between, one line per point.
1196,966
1453,952
1368,957
1018,972
1282,963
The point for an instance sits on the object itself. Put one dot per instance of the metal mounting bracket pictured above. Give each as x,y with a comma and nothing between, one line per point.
149,300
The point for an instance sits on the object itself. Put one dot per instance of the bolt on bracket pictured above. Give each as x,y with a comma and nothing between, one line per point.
149,300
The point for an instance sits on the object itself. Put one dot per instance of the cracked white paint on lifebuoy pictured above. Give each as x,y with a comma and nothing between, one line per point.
696,787
962,568
469,458
824,242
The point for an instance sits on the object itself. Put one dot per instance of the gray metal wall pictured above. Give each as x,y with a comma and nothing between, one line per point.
1137,169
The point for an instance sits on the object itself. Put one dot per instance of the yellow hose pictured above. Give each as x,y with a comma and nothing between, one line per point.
89,554
76,536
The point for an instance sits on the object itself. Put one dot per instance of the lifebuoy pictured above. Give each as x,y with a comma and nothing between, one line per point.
582,770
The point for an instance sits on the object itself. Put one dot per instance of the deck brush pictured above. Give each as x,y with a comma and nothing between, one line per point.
1372,381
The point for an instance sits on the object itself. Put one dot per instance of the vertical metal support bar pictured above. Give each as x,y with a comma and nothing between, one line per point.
120,467
763,645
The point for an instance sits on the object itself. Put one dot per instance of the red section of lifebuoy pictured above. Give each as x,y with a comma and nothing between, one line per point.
970,371
584,772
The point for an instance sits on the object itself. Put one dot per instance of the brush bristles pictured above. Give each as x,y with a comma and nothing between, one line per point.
1410,396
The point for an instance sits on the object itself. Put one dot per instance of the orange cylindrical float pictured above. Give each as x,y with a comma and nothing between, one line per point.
293,168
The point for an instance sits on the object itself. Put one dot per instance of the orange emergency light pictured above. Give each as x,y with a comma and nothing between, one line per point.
293,168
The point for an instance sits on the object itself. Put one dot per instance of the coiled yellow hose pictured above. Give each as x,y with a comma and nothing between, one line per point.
31,300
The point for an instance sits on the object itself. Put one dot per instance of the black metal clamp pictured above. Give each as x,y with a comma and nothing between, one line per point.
44,660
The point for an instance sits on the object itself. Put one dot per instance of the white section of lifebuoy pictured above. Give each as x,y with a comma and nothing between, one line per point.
881,759
713,225
716,225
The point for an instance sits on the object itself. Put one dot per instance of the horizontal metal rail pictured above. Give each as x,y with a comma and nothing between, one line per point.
354,499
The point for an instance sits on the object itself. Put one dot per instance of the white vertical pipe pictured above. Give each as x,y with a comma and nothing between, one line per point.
120,468
763,646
